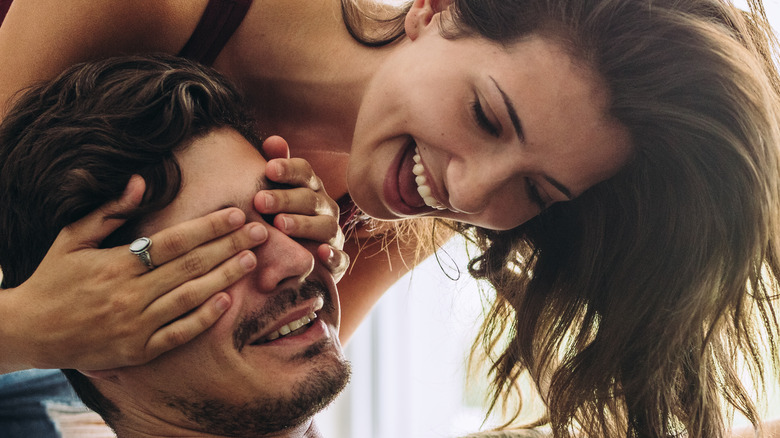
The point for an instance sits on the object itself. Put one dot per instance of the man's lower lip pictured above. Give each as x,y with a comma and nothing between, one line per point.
391,188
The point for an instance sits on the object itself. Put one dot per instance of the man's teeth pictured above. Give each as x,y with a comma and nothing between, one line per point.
291,327
422,183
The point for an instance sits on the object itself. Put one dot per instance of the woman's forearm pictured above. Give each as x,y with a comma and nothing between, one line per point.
15,346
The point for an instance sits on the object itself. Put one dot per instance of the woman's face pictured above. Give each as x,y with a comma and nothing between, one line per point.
480,133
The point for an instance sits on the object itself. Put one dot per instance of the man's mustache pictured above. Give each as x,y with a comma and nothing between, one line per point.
278,305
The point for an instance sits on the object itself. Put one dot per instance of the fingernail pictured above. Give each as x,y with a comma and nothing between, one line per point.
222,304
247,262
235,219
270,201
287,223
258,233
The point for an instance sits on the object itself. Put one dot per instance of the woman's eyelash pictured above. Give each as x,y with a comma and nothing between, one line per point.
482,120
533,193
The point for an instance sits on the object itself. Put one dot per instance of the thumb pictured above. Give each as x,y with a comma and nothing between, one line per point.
96,226
275,147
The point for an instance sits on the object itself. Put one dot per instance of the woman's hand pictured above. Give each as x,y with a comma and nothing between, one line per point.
304,211
90,308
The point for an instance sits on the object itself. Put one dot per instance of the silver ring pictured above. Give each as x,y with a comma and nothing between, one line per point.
140,247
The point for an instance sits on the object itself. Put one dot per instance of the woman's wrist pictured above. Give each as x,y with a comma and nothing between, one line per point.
16,342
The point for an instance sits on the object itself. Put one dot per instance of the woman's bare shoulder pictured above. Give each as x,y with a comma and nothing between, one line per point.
40,38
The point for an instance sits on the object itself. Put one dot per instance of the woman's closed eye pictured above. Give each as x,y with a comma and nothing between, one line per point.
534,195
482,119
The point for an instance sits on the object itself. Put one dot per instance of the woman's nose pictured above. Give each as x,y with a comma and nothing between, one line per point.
474,180
280,258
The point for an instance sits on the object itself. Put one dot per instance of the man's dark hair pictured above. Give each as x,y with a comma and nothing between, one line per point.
69,145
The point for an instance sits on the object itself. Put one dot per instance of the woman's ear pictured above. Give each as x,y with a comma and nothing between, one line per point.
421,14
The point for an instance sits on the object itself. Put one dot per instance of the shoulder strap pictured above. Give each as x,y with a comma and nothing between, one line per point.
218,23
4,6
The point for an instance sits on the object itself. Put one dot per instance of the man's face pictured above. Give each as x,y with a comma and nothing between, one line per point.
232,378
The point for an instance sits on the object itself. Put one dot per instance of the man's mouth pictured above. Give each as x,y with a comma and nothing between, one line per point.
290,329
295,327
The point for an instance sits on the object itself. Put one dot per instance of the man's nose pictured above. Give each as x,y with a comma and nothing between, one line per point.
279,259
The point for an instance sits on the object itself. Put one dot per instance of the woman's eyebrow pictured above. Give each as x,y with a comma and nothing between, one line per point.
510,108
561,188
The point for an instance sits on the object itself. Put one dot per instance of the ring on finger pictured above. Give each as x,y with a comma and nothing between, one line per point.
140,247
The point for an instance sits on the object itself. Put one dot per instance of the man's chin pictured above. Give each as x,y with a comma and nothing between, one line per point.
328,376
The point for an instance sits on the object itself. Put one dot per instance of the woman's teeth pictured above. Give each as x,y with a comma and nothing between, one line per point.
422,183
291,327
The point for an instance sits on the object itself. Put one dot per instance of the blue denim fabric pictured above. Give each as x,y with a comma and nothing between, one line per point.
24,396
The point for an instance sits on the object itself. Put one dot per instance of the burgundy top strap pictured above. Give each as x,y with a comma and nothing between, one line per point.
218,23
220,19
4,5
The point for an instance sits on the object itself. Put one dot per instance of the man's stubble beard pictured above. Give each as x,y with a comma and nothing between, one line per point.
266,415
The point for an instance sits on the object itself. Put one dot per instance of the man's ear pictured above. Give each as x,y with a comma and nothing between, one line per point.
421,14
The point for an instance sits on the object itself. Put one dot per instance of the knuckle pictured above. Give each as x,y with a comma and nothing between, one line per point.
325,208
301,171
283,200
299,163
67,235
109,273
194,264
306,168
333,229
228,277
229,273
175,242
332,206
215,224
120,305
175,337
315,183
236,242
187,299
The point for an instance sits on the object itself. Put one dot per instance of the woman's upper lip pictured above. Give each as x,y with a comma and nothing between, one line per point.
431,182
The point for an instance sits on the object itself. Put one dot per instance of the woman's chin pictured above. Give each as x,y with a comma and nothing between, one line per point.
374,207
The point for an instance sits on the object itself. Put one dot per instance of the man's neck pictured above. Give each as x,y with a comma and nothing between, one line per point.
147,429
